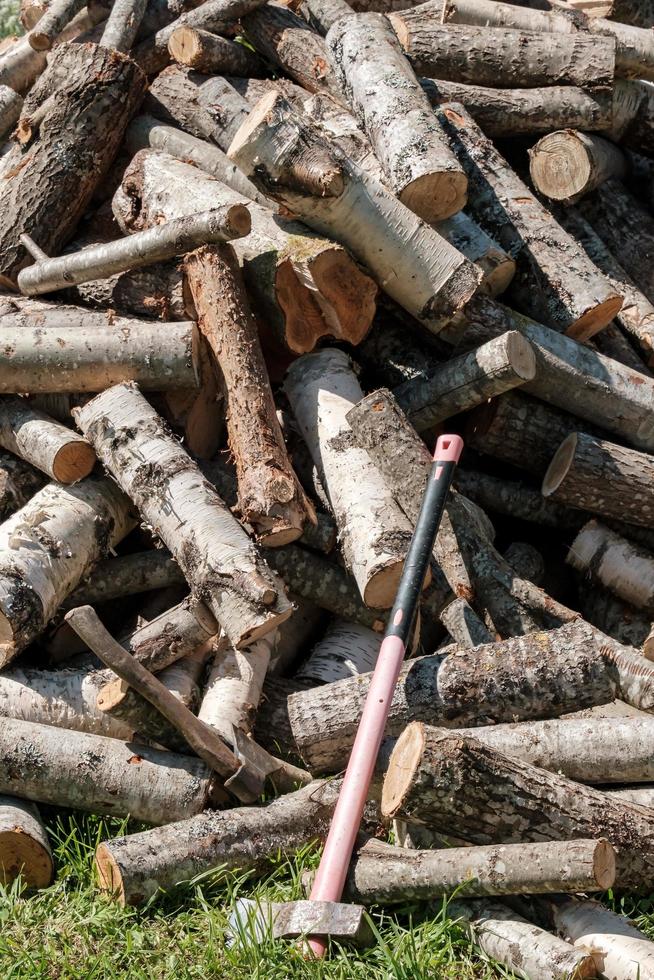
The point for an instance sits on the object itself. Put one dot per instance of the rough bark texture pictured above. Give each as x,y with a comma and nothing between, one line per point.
394,111
174,634
620,566
617,619
24,846
212,54
381,874
97,92
132,869
444,780
270,497
535,676
11,105
123,24
284,39
464,625
142,571
555,280
515,499
289,158
374,533
565,165
49,446
59,13
37,571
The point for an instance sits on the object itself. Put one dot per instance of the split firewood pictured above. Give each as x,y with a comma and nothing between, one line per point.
153,245
57,15
36,571
49,446
541,675
95,93
464,625
374,533
123,24
619,565
529,804
117,779
270,496
217,558
555,280
521,946
126,575
380,873
134,868
566,164
212,54
18,483
24,846
413,151
307,287
345,650
417,268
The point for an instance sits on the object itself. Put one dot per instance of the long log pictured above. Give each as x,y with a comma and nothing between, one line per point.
36,571
408,141
216,556
527,677
49,446
566,164
134,868
270,497
555,280
24,846
381,874
417,268
97,92
374,533
285,40
445,780
619,565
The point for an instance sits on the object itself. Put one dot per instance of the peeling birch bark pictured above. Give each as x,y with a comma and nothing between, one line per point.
24,846
345,650
619,565
212,54
216,556
565,165
49,446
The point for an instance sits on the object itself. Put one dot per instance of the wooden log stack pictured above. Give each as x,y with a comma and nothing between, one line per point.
254,258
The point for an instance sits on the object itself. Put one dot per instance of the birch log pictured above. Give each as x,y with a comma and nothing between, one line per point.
36,571
18,482
270,496
213,55
619,565
123,24
233,689
417,268
102,775
374,533
555,280
528,804
529,677
214,553
464,625
179,632
134,868
467,381
345,650
306,286
392,108
58,14
97,92
49,446
46,359
565,165
24,846
381,874
514,111
602,477
618,948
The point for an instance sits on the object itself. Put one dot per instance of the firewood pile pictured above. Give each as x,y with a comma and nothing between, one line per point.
251,257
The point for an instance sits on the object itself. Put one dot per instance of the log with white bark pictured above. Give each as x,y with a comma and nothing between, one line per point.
287,156
144,248
380,873
445,780
97,91
632,122
570,376
24,846
233,688
123,24
499,57
604,478
345,650
514,112
18,482
555,280
394,111
115,578
48,445
374,533
321,14
464,625
270,497
519,945
102,775
58,14
47,547
306,286
619,565
529,677
212,54
66,359
286,41
132,869
464,382
217,558
618,948
566,164
642,795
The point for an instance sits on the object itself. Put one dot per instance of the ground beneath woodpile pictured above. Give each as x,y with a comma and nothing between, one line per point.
71,931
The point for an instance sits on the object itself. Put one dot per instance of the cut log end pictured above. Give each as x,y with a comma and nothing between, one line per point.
185,45
382,586
21,854
110,880
558,468
595,319
73,462
404,761
238,221
604,864
561,169
39,41
436,196
521,356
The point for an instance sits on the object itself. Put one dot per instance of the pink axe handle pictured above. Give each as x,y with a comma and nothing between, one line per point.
332,872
